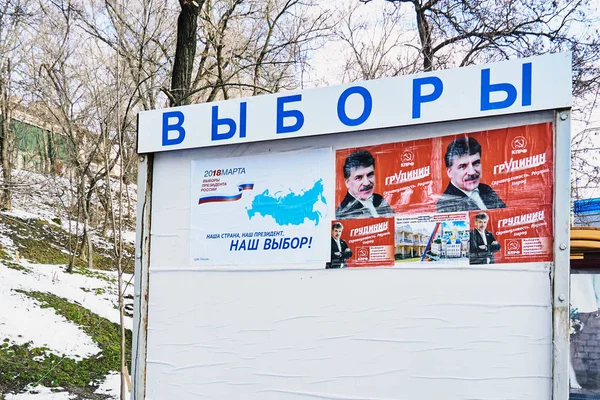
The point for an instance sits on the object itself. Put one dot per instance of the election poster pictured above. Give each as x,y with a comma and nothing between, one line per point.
515,167
497,183
520,233
269,209
362,243
439,239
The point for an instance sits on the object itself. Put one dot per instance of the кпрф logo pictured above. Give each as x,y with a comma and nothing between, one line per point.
513,247
407,159
519,145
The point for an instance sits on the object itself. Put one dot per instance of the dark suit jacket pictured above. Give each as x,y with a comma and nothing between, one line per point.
338,261
453,199
351,208
480,256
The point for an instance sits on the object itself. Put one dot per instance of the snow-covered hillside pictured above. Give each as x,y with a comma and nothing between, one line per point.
56,328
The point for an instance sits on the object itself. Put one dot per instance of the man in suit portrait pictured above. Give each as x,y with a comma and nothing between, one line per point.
361,201
483,244
339,248
465,192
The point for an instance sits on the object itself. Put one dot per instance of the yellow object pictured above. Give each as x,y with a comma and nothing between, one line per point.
584,240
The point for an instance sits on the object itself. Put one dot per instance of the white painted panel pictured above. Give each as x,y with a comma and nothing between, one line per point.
350,334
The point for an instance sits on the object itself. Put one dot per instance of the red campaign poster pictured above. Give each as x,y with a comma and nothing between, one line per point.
404,177
504,172
515,167
511,235
362,243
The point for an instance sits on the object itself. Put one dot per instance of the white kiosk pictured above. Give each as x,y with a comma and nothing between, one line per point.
402,238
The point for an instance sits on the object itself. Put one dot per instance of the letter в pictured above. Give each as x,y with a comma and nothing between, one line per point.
172,127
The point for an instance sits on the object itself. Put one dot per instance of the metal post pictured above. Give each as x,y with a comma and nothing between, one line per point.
561,270
142,263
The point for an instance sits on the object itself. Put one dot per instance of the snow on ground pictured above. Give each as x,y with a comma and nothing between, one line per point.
111,385
45,197
22,319
128,236
77,288
40,392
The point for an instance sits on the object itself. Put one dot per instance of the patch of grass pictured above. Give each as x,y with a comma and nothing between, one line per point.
94,274
97,291
7,261
18,368
18,267
41,242
3,253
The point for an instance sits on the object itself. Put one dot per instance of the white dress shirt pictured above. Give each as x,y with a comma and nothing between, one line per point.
483,236
339,245
368,204
473,195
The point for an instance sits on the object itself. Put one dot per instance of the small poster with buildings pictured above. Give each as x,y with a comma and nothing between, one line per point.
435,238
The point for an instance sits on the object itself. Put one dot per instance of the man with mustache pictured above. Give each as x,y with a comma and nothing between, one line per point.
465,192
361,201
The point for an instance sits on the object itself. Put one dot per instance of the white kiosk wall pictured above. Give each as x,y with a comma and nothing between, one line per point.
297,330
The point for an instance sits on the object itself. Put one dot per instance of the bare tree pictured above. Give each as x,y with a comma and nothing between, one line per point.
13,15
137,35
375,45
475,31
64,87
185,52
143,35
249,47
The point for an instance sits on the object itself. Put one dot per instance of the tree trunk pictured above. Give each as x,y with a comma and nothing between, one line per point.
5,143
73,243
6,192
44,156
185,52
424,36
105,205
52,152
90,249
87,248
123,346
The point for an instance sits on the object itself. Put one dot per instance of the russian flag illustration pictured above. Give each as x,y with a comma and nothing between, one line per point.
235,197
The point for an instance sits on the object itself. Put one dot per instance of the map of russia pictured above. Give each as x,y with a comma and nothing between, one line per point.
290,209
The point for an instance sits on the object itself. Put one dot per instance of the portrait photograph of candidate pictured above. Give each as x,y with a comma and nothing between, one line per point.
340,251
465,191
483,243
360,200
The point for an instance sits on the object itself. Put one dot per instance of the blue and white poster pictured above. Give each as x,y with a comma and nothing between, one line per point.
268,209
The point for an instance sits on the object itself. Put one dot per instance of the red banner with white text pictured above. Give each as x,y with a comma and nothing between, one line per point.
503,179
